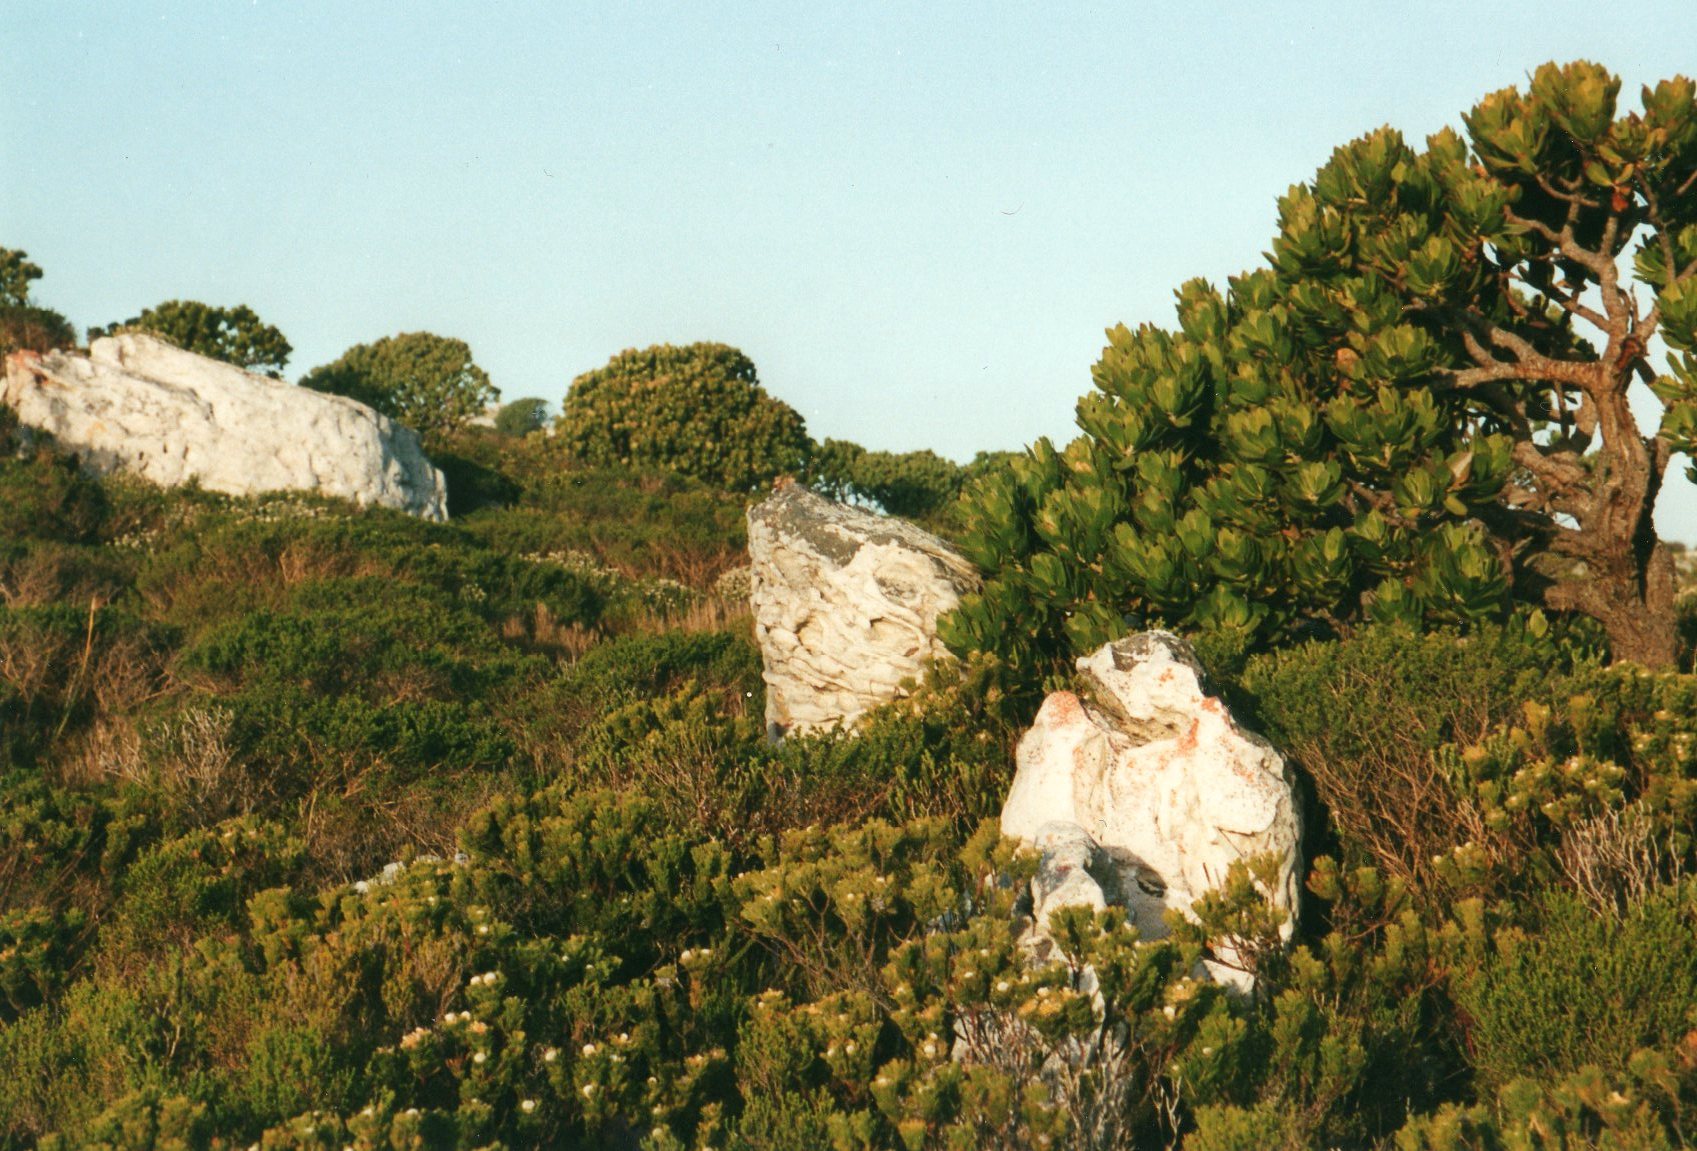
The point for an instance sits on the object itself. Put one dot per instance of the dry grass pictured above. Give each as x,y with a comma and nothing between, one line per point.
541,631
710,613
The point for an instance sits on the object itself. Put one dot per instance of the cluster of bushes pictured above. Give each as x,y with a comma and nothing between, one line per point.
699,411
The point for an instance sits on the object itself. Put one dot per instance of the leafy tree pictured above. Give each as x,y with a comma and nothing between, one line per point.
16,274
697,409
235,335
426,381
912,484
1418,410
521,417
23,324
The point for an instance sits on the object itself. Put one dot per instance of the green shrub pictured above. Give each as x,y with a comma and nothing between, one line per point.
1649,1108
37,950
1579,989
638,524
697,410
915,485
196,884
24,328
521,417
1369,720
235,335
428,382
1595,791
44,495
62,665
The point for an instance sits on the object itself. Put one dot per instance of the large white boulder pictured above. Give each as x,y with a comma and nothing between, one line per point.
845,606
139,405
1155,775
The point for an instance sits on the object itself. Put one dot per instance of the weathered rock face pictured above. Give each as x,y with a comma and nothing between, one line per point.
845,606
1146,794
139,405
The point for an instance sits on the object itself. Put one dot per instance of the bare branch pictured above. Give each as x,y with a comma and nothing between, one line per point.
1573,199
1557,473
1538,226
1570,304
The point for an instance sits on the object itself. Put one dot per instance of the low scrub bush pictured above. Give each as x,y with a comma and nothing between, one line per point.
1374,722
1573,989
640,524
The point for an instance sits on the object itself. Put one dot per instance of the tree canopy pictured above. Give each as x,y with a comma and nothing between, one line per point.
25,325
426,381
235,335
16,274
698,410
522,416
1418,409
911,484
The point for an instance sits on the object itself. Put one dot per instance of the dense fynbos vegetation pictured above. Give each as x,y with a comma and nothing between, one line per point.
322,828
327,828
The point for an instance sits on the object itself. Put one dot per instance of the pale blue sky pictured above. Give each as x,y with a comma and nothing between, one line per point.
916,219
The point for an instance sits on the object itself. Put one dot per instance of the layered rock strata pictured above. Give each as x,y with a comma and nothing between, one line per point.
845,606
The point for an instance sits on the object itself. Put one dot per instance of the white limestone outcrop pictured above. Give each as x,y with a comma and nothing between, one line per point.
845,606
139,405
1145,793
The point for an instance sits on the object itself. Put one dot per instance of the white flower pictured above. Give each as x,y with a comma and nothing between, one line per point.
528,1106
588,1050
588,1090
480,1057
1002,985
550,1055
